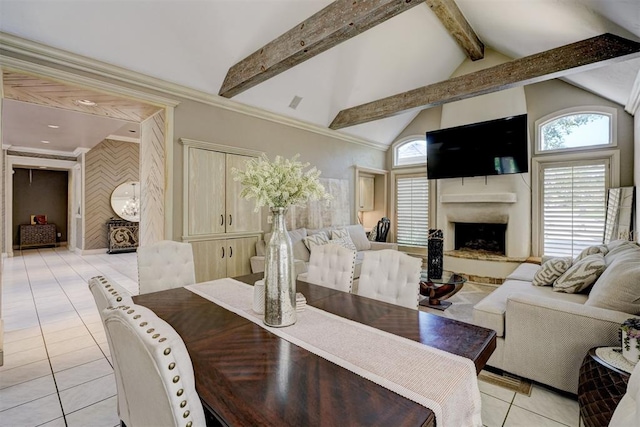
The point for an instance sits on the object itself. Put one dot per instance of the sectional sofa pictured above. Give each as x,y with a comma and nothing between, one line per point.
303,238
543,332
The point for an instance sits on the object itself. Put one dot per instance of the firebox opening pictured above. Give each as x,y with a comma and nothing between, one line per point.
481,237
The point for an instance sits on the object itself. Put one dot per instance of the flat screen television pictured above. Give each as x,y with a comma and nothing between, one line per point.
494,147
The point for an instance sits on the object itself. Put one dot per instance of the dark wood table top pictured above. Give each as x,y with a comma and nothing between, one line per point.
247,376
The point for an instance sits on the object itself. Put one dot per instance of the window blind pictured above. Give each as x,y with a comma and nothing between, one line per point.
573,207
412,210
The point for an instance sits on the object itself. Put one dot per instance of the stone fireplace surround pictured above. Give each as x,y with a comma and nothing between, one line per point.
479,204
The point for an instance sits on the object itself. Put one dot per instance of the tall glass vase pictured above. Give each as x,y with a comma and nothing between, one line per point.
279,275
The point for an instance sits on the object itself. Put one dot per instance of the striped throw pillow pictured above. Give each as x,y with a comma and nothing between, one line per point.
551,270
581,275
315,240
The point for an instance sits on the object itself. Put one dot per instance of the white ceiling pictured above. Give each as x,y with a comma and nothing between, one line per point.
194,42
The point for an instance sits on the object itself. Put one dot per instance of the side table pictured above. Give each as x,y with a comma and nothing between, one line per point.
600,388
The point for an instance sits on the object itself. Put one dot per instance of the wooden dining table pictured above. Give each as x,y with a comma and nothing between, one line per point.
247,376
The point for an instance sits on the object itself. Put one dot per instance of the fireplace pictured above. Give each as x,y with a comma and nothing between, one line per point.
481,237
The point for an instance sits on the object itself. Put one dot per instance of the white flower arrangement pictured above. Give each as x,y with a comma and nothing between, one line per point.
279,184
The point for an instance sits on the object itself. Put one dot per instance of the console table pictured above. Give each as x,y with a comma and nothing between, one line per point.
36,235
122,236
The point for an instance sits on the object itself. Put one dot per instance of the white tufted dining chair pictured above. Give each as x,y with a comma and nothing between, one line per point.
165,265
154,369
390,276
108,293
332,266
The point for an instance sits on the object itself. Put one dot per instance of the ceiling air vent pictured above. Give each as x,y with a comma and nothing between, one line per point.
295,102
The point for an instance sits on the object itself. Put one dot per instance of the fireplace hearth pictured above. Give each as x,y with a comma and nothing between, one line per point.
480,237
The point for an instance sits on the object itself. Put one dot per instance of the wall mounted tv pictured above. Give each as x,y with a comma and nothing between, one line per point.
495,147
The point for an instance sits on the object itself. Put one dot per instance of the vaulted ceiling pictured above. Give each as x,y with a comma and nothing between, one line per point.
195,43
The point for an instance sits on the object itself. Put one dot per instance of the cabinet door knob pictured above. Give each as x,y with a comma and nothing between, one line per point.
221,219
222,252
230,219
230,252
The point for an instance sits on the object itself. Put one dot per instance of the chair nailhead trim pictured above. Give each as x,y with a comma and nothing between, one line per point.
176,379
155,336
189,424
171,366
150,330
137,316
130,311
162,340
179,393
183,403
119,299
167,351
143,324
186,414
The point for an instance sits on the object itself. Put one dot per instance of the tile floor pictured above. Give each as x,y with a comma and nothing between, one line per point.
58,372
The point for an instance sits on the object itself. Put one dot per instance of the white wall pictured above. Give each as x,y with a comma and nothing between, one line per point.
517,215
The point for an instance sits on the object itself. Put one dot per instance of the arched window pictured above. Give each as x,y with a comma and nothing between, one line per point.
571,175
410,152
576,129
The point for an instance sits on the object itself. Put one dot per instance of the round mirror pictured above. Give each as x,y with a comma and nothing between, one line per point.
125,201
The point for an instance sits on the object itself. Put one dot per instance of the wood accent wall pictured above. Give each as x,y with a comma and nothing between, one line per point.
152,171
108,165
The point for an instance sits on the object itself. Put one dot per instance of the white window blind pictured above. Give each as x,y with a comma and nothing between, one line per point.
412,210
573,206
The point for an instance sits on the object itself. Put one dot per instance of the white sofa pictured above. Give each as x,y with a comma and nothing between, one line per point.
544,335
301,253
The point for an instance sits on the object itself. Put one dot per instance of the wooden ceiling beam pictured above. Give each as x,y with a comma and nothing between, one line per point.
338,22
559,62
454,21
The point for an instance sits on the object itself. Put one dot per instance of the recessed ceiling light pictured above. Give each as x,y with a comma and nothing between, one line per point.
85,102
45,142
53,126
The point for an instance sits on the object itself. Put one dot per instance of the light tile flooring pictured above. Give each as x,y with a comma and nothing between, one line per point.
58,371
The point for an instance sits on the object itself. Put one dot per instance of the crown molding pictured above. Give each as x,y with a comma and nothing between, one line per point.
633,104
34,50
21,149
123,138
81,150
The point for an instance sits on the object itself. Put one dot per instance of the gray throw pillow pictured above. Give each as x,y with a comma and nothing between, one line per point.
359,237
581,275
618,288
551,270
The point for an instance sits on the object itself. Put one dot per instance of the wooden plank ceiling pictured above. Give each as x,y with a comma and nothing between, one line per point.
575,57
336,23
49,93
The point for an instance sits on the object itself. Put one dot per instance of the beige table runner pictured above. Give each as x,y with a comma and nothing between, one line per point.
441,381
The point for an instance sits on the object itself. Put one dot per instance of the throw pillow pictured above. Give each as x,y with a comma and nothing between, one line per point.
338,233
315,240
359,237
592,250
551,270
617,288
345,242
581,275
